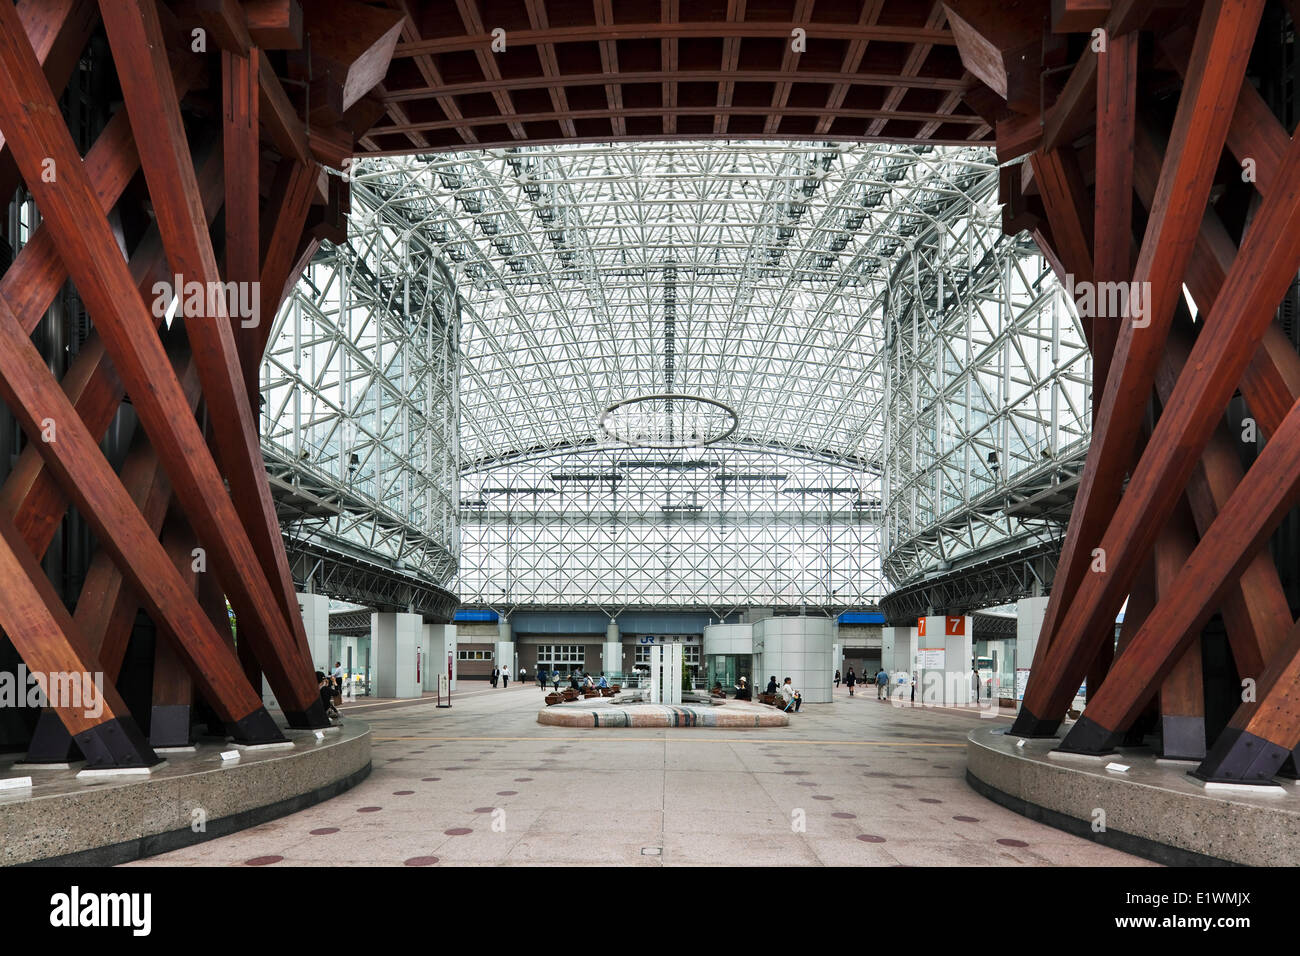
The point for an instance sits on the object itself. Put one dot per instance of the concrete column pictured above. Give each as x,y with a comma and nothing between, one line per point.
316,621
505,647
394,638
958,684
898,649
1029,621
655,694
944,657
611,653
672,673
439,643
798,648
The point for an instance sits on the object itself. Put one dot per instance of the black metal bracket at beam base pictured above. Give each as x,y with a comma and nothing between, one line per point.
1089,737
116,744
51,742
313,718
259,727
1031,727
1241,757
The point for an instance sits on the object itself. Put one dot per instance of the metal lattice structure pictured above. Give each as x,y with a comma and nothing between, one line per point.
359,414
989,412
751,275
715,528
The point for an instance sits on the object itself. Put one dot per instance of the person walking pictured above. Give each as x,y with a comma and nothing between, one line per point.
882,685
496,676
850,679
505,675
523,674
541,679
837,678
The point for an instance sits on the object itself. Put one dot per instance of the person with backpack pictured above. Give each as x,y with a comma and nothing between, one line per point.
882,685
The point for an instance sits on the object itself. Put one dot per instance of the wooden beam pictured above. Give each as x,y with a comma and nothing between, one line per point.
278,116
1079,16
30,494
42,632
1113,188
1000,45
173,692
1265,266
88,247
1263,732
1268,491
135,34
1065,199
351,42
1224,38
242,151
222,19
274,24
58,32
74,456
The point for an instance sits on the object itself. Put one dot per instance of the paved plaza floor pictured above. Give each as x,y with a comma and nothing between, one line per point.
855,782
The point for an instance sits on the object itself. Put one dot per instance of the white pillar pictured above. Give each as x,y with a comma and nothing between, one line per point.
959,688
944,658
316,621
672,673
505,647
439,647
897,649
394,639
798,648
656,673
611,654
1029,621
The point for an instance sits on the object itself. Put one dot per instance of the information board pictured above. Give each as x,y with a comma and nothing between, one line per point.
930,658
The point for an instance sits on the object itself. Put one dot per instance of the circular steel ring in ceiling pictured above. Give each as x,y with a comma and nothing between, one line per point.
668,420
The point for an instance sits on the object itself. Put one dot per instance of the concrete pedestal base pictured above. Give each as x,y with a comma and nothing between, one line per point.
114,819
1155,809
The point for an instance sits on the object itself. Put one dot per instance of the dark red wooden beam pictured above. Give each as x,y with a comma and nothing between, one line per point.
135,34
1224,37
1265,266
31,119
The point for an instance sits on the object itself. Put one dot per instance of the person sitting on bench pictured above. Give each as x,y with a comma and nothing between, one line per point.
742,690
792,697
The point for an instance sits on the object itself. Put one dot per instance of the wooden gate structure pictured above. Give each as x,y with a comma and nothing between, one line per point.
1139,154
1152,166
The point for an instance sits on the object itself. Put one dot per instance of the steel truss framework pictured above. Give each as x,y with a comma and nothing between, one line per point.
754,275
717,528
988,407
359,413
1165,144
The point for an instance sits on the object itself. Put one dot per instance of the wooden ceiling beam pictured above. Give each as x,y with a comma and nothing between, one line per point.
711,30
274,24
